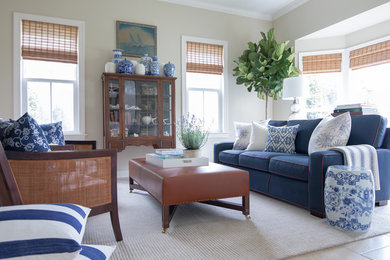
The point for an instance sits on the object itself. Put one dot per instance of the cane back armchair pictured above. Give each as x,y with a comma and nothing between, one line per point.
87,178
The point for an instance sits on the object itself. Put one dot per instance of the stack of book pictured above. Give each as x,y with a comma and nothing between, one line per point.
167,158
356,109
169,153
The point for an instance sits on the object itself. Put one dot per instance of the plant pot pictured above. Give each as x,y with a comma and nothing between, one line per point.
192,153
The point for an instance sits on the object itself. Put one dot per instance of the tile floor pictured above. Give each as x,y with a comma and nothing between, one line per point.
375,248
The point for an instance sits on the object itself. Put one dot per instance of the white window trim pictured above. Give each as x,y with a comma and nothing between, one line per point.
224,99
18,103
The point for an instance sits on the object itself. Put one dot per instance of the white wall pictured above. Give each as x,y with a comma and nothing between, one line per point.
172,22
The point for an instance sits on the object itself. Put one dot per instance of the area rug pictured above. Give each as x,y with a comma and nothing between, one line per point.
276,230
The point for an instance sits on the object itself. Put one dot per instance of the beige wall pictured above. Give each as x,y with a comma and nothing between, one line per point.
172,22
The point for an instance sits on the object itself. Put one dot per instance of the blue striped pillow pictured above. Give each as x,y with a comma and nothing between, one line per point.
52,231
94,252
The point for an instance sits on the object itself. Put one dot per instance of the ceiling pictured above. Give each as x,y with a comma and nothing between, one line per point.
358,22
261,9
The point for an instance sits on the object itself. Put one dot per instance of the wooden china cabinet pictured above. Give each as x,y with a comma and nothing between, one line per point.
138,110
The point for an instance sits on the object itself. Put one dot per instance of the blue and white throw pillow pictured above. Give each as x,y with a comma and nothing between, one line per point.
330,132
94,252
281,139
47,231
3,126
53,133
25,135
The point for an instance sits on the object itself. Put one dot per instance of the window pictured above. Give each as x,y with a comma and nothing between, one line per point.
204,81
49,65
358,74
322,77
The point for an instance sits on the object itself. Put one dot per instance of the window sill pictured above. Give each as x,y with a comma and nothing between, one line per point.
75,136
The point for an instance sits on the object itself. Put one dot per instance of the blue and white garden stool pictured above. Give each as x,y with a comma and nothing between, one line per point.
349,198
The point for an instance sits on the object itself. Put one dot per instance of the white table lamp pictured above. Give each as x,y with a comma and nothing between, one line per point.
292,89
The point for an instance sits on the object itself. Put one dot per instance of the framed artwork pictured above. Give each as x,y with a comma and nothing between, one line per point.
136,39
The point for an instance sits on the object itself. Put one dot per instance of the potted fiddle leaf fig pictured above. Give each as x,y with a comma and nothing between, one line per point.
264,65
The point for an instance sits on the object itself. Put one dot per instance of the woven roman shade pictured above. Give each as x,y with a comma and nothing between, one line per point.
370,55
324,63
204,58
49,42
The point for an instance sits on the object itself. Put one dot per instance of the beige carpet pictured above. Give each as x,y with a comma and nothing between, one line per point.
198,231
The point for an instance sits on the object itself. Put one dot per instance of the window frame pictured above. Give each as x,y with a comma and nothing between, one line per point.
20,92
223,93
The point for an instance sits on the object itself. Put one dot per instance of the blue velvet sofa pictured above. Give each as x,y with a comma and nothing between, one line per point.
299,178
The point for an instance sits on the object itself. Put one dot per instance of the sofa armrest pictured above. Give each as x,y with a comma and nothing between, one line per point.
218,147
318,164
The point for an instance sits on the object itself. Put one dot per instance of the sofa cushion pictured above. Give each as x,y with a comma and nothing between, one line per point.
281,139
243,134
95,252
230,156
259,135
43,231
368,129
330,132
277,122
3,126
53,133
257,160
292,166
386,139
25,135
306,128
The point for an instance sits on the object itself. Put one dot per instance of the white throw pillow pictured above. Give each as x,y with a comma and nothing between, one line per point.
258,138
330,132
94,252
44,231
243,134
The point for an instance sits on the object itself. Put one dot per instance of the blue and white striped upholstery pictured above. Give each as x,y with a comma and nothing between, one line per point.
93,252
50,231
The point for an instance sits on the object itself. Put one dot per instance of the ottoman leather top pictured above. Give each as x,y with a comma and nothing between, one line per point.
178,185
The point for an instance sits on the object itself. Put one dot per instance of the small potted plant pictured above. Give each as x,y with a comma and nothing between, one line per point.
192,135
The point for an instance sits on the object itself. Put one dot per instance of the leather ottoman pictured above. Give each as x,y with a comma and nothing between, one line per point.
180,185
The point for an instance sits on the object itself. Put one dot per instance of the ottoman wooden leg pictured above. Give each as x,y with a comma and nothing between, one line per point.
131,183
167,214
245,206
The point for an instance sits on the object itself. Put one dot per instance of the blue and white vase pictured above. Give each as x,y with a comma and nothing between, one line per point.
349,197
169,69
155,67
117,57
125,66
146,60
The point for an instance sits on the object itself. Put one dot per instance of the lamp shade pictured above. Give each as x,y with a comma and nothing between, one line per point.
292,88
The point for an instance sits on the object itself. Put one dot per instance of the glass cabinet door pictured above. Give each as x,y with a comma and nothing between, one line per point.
141,106
167,108
113,94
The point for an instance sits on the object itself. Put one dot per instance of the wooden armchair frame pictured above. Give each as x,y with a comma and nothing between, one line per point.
87,178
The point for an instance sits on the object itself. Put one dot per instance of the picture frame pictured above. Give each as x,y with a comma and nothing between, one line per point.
136,39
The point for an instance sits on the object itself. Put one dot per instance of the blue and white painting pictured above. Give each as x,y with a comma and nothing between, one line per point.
136,39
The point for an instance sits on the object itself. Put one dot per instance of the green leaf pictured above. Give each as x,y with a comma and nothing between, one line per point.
271,35
240,80
253,56
252,46
249,76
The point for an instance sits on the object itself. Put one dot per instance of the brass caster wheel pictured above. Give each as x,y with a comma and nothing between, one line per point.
164,231
130,191
247,217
